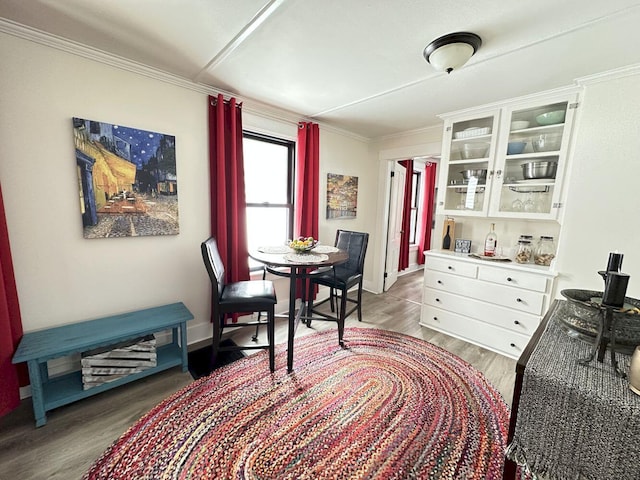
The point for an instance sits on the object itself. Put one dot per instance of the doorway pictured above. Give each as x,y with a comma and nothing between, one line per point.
395,208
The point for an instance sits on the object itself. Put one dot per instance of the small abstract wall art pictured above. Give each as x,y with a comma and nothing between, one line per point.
342,196
127,180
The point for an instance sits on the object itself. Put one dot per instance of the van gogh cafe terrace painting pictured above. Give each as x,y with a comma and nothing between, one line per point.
127,180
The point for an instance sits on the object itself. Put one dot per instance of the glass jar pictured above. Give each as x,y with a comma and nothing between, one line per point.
516,247
545,251
524,253
524,237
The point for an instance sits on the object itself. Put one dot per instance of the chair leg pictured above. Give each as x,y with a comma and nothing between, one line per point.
255,337
338,304
309,311
264,276
271,338
343,309
215,342
332,299
360,301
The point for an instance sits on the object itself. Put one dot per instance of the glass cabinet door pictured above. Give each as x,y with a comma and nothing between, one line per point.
468,151
530,160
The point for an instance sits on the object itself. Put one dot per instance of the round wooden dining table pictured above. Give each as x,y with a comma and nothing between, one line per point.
283,261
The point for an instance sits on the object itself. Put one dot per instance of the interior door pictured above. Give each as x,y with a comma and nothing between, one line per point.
394,232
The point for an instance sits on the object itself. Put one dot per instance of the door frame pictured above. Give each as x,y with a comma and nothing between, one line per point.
396,185
386,158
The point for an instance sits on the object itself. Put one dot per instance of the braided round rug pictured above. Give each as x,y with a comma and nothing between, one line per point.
388,406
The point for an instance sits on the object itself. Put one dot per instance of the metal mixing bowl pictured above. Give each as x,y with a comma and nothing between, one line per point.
481,173
531,170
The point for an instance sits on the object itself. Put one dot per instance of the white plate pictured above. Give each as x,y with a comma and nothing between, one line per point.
325,249
306,257
274,249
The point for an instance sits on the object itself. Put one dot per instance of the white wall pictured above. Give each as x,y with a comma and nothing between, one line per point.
348,158
62,277
603,206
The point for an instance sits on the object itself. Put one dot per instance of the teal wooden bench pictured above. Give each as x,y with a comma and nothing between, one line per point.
37,348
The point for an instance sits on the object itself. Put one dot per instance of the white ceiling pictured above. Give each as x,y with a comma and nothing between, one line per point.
354,64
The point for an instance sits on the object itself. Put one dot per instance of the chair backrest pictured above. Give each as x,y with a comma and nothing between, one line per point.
213,264
355,244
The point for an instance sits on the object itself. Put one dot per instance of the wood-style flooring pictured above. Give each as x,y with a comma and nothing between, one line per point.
76,434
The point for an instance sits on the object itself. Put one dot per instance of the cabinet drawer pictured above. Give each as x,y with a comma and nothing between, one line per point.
455,267
519,322
510,297
494,338
513,278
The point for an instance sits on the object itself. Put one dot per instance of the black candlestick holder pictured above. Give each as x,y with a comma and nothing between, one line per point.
606,337
612,301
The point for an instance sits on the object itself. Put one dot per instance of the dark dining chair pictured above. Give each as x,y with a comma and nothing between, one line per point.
238,297
340,278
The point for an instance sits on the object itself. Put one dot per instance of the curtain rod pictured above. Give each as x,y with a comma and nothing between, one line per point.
214,102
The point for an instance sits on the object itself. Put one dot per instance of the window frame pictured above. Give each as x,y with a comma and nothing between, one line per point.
415,205
291,150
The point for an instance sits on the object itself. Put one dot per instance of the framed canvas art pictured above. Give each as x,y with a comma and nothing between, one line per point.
127,180
342,196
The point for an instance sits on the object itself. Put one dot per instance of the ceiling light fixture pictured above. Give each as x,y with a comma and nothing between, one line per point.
452,51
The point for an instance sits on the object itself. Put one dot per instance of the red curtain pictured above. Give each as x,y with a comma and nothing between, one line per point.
427,210
307,181
226,175
10,325
307,197
403,262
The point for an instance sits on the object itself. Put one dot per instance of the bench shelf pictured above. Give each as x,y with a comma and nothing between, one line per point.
36,348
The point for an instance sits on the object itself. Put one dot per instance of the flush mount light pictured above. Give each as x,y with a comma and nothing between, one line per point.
452,51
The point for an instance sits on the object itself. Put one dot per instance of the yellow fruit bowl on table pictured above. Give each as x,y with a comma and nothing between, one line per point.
302,244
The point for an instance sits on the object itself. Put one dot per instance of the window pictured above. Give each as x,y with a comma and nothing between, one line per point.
415,202
268,180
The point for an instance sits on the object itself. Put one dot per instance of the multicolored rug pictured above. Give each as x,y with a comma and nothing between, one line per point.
388,406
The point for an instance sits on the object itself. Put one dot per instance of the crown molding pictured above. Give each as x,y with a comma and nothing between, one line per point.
609,75
570,89
100,56
250,105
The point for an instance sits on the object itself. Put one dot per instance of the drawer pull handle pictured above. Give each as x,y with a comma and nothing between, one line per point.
513,345
435,318
450,267
440,282
437,299
519,300
509,279
516,322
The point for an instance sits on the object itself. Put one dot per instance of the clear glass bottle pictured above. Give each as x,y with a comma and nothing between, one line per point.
524,253
545,251
491,242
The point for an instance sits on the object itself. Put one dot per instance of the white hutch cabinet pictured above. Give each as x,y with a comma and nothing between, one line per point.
484,170
506,161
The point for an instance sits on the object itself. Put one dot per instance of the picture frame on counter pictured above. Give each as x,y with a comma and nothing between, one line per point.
462,246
